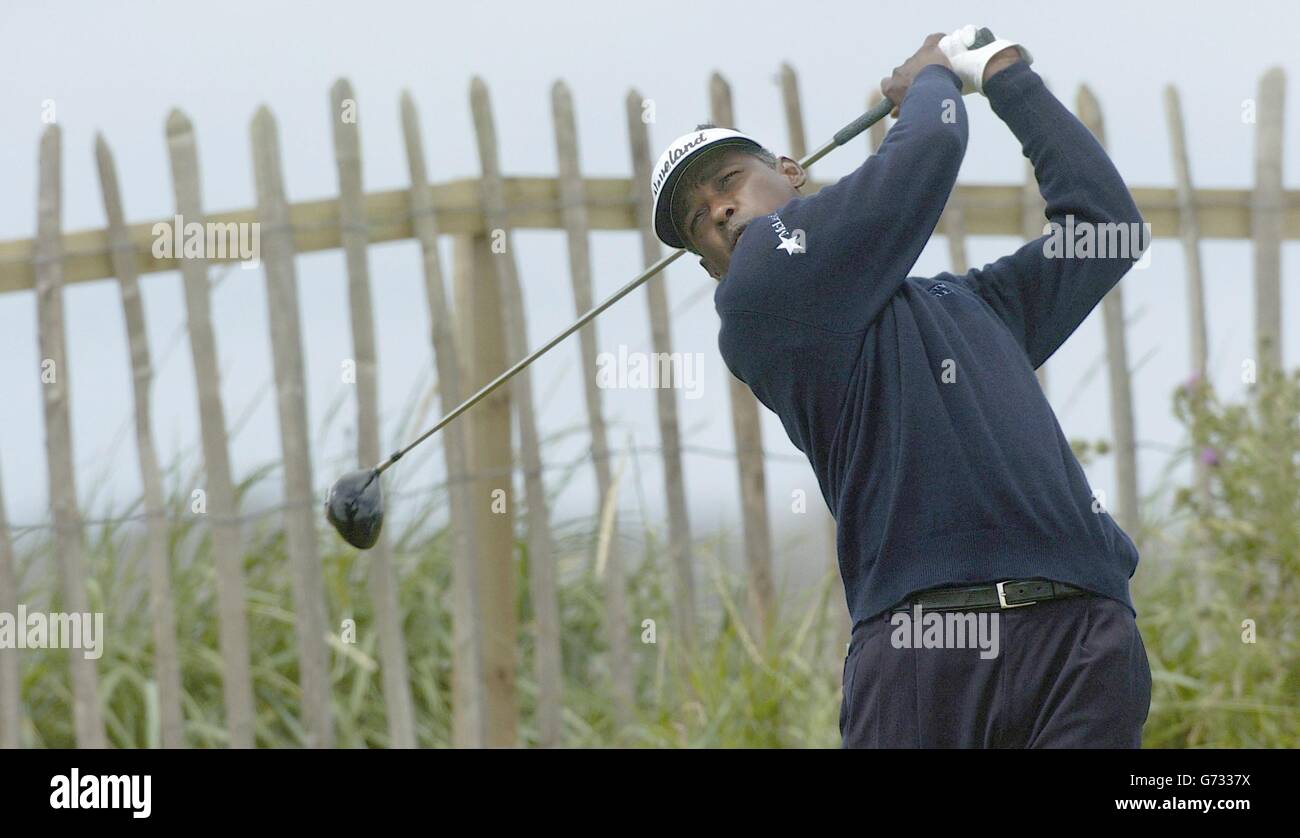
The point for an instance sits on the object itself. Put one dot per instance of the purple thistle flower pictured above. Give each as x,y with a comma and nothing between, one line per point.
1209,456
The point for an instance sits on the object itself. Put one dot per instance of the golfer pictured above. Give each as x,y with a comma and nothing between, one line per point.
952,486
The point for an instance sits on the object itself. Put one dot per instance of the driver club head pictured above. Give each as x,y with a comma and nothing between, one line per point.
355,507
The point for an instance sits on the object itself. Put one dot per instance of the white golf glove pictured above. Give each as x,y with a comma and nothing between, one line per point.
969,63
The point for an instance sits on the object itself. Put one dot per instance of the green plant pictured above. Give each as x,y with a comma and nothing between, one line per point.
1232,568
1212,560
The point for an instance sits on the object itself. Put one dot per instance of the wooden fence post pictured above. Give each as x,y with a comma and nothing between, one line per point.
11,694
749,446
670,437
166,664
222,506
954,230
1267,204
467,623
1121,385
789,82
876,133
574,215
541,549
87,716
483,349
1189,233
291,402
382,580
1266,220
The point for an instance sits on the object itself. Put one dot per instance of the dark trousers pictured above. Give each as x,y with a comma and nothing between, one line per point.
1069,673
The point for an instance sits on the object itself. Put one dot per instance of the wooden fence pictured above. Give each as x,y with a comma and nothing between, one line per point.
487,294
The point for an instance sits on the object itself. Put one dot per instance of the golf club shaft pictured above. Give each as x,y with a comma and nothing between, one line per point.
844,135
487,389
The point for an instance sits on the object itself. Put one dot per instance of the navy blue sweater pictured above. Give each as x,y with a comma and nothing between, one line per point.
915,399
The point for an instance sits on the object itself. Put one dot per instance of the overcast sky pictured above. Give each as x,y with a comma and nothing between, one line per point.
119,68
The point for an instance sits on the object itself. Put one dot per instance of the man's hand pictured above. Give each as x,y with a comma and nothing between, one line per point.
895,87
976,65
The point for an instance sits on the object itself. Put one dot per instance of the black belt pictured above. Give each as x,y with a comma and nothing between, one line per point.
997,596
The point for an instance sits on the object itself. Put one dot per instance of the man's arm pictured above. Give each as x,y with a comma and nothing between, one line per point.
1043,299
865,232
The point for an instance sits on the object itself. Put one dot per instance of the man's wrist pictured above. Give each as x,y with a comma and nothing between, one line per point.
1010,84
947,71
1001,61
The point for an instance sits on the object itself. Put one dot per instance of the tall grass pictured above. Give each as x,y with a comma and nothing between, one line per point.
729,694
735,690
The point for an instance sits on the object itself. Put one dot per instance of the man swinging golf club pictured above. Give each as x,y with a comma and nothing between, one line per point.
952,486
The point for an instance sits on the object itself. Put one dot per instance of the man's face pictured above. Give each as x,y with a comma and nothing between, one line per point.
731,189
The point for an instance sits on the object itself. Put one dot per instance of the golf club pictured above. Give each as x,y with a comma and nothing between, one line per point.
355,504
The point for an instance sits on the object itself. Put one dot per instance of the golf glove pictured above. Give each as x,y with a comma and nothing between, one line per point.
969,63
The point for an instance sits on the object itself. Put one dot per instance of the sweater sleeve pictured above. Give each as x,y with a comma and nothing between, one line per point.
1042,294
862,234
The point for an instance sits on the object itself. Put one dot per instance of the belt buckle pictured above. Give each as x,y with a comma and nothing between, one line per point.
1002,598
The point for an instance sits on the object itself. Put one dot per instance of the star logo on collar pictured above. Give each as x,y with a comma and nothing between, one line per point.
790,245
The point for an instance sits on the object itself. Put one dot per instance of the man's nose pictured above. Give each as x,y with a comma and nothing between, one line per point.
722,211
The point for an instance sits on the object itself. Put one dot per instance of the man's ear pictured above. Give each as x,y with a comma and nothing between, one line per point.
792,171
